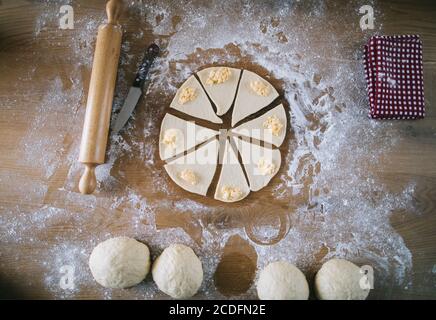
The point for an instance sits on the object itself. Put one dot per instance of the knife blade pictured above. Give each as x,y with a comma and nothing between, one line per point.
136,89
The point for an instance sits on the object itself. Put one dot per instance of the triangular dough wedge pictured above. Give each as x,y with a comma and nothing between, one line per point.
254,94
222,94
178,135
194,172
232,185
200,106
258,128
261,164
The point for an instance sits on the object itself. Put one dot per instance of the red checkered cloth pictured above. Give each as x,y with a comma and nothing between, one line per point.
394,76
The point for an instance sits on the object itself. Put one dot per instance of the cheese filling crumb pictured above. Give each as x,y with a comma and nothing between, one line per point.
266,167
260,88
231,193
189,176
274,124
170,138
219,75
187,94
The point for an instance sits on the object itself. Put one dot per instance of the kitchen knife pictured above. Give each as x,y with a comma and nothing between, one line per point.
135,90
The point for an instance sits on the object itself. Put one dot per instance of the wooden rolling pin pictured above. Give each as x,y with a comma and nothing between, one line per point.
100,96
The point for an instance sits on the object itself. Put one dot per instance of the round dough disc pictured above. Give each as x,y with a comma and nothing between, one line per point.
223,87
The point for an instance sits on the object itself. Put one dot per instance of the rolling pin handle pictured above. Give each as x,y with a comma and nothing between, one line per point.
113,11
88,181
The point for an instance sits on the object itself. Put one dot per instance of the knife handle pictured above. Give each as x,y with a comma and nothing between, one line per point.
150,55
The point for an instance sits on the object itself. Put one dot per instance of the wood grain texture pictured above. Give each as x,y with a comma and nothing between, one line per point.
51,53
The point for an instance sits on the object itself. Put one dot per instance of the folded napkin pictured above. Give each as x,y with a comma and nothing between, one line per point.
394,76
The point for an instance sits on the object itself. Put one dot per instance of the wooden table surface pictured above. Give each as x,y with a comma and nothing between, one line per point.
29,59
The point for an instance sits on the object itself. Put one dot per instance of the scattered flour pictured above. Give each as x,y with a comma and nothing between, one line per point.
333,141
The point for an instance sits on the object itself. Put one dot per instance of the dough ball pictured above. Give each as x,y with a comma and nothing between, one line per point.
282,281
338,279
178,272
119,262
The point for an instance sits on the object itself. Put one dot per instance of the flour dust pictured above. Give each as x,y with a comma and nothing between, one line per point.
310,51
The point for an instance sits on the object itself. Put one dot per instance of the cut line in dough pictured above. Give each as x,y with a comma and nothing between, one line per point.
261,164
232,185
200,107
222,94
255,128
187,135
247,100
207,95
201,163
